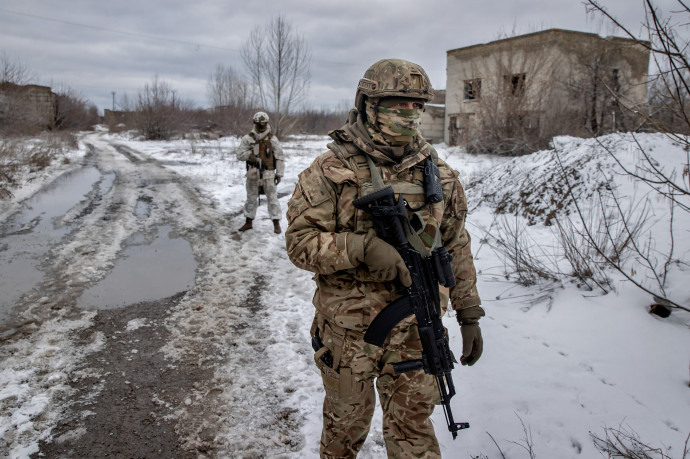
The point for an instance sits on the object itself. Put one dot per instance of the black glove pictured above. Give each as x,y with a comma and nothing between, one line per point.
276,180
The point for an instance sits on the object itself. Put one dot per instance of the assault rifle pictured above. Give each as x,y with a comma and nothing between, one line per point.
421,299
255,151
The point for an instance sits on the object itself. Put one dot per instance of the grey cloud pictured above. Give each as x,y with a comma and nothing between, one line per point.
182,41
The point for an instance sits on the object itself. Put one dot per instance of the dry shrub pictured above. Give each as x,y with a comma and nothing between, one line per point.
20,155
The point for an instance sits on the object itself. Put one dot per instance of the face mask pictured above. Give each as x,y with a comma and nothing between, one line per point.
399,122
260,127
397,126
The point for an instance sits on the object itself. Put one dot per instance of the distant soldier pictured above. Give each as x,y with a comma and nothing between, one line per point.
265,166
358,274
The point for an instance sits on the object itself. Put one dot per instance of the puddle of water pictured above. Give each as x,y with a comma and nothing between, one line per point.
27,236
142,209
145,271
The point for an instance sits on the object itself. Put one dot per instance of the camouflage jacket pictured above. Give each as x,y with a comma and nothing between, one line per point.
321,214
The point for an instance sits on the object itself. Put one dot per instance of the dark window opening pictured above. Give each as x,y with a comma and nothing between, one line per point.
473,89
516,83
615,76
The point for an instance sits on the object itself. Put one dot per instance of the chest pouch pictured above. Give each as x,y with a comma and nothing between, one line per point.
415,229
432,182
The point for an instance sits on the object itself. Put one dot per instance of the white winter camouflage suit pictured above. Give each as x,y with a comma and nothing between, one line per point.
245,152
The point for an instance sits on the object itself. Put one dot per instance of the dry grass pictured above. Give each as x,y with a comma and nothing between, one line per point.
19,155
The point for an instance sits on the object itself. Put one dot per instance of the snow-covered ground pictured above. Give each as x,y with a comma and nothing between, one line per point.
559,364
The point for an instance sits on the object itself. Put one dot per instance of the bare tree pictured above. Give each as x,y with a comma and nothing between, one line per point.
669,51
511,100
158,112
672,187
600,89
278,61
16,115
13,70
230,97
73,111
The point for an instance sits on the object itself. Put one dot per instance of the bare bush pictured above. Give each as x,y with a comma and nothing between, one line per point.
158,114
670,89
312,121
672,187
526,259
231,100
19,156
74,112
625,443
510,102
601,91
13,70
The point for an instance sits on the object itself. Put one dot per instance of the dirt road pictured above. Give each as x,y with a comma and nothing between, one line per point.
171,377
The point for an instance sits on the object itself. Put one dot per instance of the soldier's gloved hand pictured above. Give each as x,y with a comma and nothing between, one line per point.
276,180
383,261
472,342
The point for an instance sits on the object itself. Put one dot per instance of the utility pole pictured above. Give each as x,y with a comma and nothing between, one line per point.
113,93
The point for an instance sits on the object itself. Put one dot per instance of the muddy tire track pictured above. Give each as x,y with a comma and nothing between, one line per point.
184,376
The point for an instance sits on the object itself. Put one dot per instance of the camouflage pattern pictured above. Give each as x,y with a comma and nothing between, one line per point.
260,117
407,399
247,151
393,78
324,231
321,216
398,126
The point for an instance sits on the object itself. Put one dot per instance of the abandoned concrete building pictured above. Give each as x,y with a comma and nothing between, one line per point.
542,84
432,124
27,106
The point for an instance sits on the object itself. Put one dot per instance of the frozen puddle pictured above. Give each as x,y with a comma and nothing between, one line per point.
26,237
146,270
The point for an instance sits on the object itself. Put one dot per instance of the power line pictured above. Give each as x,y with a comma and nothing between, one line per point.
150,37
122,32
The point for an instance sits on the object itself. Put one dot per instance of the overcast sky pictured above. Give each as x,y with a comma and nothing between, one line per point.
97,47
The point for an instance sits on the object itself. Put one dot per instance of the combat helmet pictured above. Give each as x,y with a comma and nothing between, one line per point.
260,117
393,78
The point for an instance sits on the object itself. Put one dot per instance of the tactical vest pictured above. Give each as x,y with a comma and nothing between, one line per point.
263,150
407,182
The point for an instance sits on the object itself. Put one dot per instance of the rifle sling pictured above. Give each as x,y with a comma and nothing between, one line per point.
387,319
413,238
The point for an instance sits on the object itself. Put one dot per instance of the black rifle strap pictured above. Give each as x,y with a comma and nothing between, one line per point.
387,319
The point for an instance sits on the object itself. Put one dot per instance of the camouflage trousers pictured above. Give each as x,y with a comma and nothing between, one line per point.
269,186
407,400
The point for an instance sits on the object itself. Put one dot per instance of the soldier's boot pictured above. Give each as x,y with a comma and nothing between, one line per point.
247,225
276,226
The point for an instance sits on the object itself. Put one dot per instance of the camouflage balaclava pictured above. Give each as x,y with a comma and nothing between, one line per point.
384,84
392,126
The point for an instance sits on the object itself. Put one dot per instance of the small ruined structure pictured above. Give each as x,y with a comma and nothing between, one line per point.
531,87
432,125
29,106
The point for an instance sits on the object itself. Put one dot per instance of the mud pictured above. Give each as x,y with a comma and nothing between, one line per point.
137,392
163,377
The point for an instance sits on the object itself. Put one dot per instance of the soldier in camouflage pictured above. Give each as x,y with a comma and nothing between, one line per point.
358,274
265,166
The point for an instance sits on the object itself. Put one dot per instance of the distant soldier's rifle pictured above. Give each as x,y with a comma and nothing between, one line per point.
422,298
